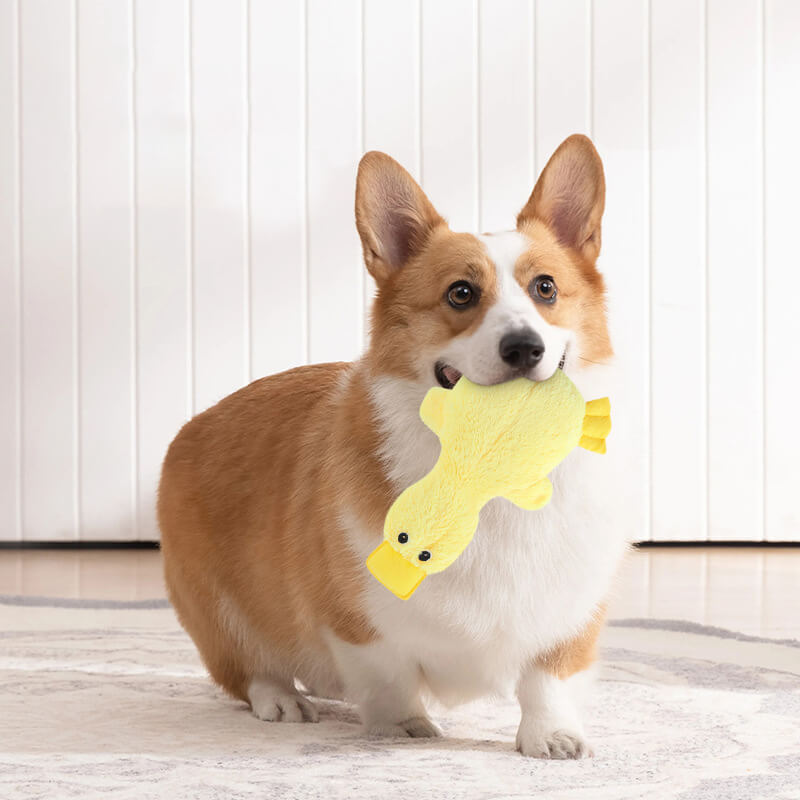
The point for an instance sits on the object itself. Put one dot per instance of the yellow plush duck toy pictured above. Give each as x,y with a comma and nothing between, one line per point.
498,440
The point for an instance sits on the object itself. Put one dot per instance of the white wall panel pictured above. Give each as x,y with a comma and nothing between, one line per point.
176,218
50,369
562,62
220,274
333,149
163,242
9,273
106,270
450,110
735,271
620,132
678,281
278,310
392,80
506,111
391,100
782,267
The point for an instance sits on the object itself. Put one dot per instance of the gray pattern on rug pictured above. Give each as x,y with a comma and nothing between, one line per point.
121,707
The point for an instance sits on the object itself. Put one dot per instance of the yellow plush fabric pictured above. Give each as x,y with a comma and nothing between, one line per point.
498,440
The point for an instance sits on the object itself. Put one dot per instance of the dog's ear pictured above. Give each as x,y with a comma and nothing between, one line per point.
393,216
570,196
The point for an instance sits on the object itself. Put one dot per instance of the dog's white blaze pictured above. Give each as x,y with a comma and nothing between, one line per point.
478,355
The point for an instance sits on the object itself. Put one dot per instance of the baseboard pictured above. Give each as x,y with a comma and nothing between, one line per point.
715,544
73,545
137,545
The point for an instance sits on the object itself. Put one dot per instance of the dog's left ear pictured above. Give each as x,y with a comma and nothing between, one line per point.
570,195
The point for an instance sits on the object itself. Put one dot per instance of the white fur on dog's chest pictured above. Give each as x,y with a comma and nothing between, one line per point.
527,581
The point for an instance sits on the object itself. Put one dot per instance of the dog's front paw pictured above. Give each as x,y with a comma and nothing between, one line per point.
549,739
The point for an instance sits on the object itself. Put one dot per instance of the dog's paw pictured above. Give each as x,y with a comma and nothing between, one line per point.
273,704
416,728
543,740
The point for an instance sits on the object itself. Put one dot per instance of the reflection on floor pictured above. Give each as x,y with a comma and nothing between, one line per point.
751,590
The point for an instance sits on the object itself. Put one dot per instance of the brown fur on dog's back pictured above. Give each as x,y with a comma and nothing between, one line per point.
249,586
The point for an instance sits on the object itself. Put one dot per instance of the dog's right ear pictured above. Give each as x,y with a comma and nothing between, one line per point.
393,216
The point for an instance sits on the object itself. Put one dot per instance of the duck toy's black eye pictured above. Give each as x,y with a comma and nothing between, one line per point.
402,538
424,555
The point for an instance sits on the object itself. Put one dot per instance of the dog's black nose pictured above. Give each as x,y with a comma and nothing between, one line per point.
522,349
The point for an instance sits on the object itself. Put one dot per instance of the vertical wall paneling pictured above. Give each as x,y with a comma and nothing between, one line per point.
449,108
735,271
620,132
163,238
220,275
49,247
563,89
9,274
506,97
391,86
391,82
107,326
334,134
678,247
782,272
176,218
277,186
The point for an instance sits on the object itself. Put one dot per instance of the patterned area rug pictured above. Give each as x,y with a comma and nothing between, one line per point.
99,701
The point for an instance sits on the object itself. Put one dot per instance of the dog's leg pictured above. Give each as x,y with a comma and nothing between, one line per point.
549,690
551,725
277,700
386,688
392,706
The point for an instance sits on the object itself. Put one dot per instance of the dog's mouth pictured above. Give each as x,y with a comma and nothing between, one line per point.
448,376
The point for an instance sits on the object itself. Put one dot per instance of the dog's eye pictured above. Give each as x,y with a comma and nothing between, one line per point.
461,294
543,288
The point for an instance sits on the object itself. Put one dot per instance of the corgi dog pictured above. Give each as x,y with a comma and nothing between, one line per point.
271,501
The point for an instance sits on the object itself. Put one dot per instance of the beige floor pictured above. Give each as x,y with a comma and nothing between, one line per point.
751,590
